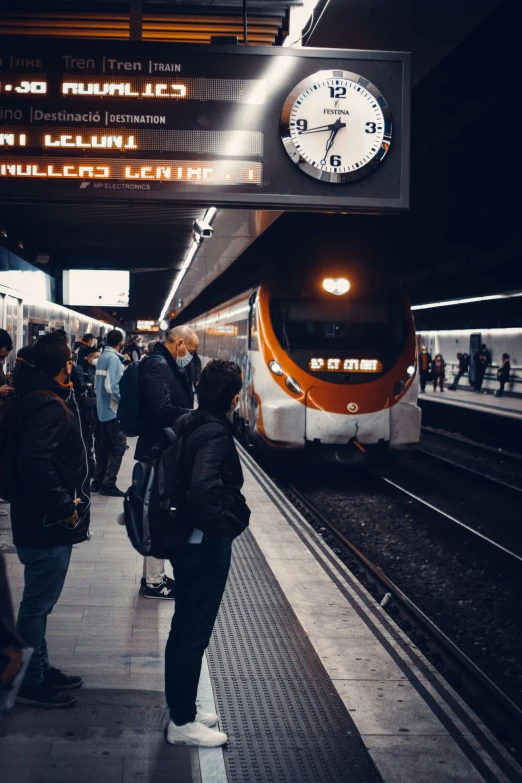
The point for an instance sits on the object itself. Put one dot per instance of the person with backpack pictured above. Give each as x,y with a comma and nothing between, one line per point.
503,374
109,370
214,512
47,480
164,393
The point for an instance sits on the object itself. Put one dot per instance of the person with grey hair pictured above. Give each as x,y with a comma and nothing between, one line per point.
165,393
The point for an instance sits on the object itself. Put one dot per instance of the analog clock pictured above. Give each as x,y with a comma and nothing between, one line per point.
336,126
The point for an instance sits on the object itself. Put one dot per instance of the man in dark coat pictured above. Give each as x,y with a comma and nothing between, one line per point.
165,393
215,512
481,361
49,509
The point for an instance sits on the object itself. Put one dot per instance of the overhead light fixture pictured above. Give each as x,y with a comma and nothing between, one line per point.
450,302
164,325
193,249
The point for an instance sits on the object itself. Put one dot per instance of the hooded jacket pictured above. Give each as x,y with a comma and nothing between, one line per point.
213,476
51,464
165,393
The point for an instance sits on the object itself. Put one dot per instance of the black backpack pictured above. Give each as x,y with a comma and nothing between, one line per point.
153,507
129,405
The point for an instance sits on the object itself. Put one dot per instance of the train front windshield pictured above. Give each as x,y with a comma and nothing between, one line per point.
339,325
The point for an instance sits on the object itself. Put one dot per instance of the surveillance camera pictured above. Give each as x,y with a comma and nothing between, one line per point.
202,229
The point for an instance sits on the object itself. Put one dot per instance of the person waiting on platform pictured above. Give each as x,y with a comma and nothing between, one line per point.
49,508
215,512
503,374
438,371
481,360
165,393
109,370
462,368
424,367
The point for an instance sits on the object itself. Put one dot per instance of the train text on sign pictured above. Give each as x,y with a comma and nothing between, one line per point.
318,364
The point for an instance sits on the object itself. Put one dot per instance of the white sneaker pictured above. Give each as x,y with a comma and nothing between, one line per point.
195,733
207,718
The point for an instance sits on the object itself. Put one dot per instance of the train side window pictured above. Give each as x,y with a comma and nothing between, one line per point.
252,324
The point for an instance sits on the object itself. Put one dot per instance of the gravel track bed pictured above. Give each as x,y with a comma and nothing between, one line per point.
476,605
496,465
493,510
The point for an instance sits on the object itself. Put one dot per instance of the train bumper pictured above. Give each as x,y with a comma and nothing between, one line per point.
340,429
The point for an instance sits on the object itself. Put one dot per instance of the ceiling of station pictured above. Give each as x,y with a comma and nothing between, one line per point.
450,43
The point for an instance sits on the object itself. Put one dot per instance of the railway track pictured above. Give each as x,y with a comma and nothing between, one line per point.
510,463
475,535
475,444
492,699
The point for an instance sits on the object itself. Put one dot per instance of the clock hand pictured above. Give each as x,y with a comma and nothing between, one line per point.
323,128
329,144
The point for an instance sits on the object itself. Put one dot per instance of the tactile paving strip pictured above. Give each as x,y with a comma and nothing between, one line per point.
285,720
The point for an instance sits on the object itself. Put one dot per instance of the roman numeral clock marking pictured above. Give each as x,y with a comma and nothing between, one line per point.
336,126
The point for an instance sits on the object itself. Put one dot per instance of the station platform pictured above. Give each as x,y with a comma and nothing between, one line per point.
483,402
312,680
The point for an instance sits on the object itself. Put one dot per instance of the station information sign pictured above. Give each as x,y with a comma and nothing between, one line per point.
228,125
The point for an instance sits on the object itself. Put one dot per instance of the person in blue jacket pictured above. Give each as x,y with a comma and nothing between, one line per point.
113,442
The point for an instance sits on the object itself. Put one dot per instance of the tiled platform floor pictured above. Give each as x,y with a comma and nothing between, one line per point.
102,629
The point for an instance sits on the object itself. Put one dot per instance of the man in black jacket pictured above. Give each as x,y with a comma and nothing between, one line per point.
165,393
50,507
215,513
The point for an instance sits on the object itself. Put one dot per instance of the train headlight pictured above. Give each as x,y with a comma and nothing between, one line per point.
337,286
398,388
293,385
411,370
276,368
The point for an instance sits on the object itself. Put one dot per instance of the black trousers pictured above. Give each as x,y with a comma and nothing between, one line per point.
423,379
201,572
479,377
112,445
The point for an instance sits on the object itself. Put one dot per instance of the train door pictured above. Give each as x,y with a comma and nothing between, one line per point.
12,323
248,405
475,341
35,330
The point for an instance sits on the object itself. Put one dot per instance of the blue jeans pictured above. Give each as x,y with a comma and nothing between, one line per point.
44,576
201,572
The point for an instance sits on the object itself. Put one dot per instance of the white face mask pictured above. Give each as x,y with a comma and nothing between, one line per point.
94,362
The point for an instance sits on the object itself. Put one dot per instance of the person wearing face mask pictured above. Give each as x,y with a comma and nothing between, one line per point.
91,360
49,506
214,513
165,393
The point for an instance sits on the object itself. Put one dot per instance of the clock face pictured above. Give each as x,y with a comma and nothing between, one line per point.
336,126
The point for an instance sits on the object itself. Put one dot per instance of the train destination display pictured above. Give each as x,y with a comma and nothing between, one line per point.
199,124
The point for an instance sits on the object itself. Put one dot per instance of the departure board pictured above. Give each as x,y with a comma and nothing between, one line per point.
109,120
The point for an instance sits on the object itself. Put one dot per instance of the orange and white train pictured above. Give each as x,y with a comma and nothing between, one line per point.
329,363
